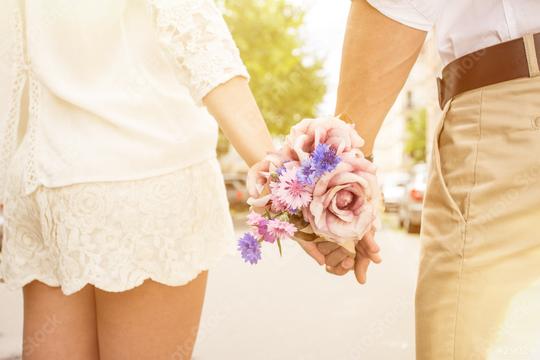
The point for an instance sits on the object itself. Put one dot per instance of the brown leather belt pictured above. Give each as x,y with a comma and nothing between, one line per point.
502,62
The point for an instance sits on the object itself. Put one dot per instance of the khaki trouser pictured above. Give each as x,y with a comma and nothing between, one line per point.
478,294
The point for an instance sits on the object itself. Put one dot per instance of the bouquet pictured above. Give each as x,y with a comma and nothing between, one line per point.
317,187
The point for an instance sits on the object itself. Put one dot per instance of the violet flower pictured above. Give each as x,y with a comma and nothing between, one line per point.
322,160
250,248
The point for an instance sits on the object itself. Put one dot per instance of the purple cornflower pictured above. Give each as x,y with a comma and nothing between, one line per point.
306,173
324,159
250,248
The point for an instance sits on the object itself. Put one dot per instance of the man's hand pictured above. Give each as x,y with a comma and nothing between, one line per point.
312,250
339,262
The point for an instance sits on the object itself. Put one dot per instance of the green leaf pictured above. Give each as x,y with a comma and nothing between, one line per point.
283,217
279,247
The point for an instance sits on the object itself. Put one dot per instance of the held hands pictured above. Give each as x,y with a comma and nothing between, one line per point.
339,261
317,186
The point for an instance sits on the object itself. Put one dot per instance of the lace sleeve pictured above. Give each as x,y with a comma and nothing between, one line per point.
196,35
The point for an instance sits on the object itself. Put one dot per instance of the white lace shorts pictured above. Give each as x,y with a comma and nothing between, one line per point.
115,235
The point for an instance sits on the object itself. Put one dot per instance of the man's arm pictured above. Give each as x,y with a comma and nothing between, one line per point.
378,54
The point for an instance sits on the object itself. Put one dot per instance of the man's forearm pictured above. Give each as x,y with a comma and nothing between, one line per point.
378,54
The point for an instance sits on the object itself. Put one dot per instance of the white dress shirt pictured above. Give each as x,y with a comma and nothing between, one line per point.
464,26
108,90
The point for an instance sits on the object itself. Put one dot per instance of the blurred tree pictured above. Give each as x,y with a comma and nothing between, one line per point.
287,82
415,141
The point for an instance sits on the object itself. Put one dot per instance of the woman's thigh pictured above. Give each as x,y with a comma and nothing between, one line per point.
57,326
152,321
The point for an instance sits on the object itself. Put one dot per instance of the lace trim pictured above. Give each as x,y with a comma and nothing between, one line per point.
19,31
9,141
31,179
196,35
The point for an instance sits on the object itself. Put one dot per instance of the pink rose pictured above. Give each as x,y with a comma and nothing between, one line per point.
307,134
345,201
258,180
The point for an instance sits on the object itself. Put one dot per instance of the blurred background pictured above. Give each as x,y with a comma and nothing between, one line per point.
285,308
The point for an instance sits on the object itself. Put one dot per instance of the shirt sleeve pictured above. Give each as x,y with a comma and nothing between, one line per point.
196,35
412,13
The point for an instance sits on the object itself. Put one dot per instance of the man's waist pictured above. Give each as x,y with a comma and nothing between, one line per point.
495,64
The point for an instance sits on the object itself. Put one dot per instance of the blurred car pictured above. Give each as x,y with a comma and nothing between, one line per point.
410,207
393,188
237,193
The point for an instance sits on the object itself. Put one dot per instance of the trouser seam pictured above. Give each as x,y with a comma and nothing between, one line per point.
465,224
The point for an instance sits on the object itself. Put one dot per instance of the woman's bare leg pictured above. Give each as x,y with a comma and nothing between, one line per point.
152,321
58,327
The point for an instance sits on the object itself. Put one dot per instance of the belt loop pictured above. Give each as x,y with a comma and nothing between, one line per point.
440,88
532,59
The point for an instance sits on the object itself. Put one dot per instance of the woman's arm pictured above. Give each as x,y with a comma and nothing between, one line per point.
378,54
196,36
233,106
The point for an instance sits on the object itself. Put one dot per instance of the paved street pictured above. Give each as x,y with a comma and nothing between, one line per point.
287,309
10,322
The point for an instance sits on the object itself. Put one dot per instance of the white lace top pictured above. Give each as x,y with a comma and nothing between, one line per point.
109,89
